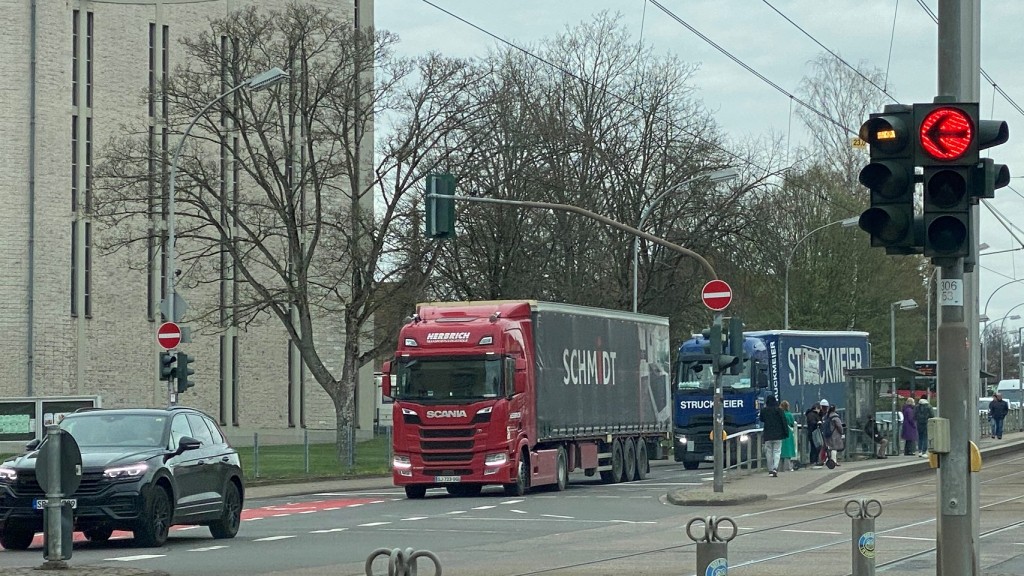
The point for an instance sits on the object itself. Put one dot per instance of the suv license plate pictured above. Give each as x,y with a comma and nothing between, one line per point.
447,479
40,503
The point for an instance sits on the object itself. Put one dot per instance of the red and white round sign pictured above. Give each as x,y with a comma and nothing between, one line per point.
168,335
716,295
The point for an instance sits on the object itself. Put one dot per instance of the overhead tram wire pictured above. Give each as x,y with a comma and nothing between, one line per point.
750,69
669,121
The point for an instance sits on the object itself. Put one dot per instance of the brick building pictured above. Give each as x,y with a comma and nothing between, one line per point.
76,322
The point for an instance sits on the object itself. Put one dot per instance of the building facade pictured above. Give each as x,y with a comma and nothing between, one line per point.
77,322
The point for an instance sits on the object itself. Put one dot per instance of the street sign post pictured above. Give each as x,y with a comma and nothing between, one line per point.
716,295
168,335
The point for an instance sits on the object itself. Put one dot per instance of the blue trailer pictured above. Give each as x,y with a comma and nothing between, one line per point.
795,365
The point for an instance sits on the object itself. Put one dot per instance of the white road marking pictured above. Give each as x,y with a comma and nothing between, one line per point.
332,508
416,518
207,548
354,505
183,528
307,512
557,516
518,511
250,519
136,557
367,525
281,515
811,531
272,538
907,538
328,530
512,501
457,512
484,507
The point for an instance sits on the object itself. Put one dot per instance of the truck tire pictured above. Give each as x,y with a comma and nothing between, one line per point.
518,488
691,465
612,476
628,459
561,471
415,492
643,463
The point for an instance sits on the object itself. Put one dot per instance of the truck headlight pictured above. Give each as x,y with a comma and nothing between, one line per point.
681,440
496,459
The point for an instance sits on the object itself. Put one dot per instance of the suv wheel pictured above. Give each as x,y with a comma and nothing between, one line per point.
100,534
16,537
231,516
156,521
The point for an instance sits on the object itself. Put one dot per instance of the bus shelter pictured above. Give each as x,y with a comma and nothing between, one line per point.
867,386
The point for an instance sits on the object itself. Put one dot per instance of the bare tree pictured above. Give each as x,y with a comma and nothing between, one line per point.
320,227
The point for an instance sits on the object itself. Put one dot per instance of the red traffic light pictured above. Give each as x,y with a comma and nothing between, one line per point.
946,133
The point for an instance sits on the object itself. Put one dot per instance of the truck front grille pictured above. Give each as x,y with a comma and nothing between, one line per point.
428,445
434,457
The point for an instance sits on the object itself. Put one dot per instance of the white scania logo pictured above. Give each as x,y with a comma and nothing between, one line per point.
446,413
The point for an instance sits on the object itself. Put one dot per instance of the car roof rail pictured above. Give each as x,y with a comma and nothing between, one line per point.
88,409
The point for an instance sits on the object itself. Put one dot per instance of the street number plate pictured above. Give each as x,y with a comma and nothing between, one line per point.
447,479
41,503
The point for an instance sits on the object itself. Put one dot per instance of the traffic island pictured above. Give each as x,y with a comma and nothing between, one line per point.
65,569
707,497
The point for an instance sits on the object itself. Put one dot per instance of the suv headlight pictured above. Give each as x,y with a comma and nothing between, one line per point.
126,472
8,474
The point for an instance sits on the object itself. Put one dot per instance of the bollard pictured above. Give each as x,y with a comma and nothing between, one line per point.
863,514
712,547
402,562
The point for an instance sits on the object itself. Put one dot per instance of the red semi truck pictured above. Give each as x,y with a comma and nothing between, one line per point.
521,393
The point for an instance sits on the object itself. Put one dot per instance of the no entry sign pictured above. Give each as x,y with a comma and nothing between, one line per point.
716,295
168,335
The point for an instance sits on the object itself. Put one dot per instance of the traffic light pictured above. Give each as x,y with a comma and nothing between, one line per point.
947,150
183,372
736,346
167,370
890,178
720,361
440,217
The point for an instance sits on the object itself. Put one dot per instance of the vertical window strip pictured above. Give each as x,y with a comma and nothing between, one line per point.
88,165
88,61
166,59
74,268
75,19
152,67
74,163
87,290
163,207
234,380
151,238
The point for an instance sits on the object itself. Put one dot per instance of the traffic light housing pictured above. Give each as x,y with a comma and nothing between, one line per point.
440,212
890,177
720,360
167,369
946,147
183,372
736,346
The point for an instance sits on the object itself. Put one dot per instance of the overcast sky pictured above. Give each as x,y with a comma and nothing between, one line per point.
758,33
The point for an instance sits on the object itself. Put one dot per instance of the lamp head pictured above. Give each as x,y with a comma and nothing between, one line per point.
908,304
266,79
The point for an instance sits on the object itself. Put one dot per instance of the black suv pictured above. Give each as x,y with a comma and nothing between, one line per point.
143,470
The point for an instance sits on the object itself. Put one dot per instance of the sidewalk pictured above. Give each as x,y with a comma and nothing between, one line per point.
752,487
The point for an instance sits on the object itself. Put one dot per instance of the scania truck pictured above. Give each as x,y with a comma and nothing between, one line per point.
521,393
800,366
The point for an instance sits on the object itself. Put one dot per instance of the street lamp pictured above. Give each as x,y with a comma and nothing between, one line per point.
723,175
257,82
908,304
846,223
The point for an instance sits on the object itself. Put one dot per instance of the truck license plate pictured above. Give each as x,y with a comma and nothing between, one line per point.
40,503
447,479
709,458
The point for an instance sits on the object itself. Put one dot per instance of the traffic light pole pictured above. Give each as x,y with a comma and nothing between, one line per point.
718,411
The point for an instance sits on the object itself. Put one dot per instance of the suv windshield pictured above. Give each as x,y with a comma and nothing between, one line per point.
449,379
107,429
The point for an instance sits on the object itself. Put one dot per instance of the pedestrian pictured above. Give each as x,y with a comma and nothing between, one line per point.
882,443
997,410
774,422
922,413
812,421
835,437
788,454
909,428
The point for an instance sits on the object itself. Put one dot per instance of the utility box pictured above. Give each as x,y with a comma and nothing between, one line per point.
938,435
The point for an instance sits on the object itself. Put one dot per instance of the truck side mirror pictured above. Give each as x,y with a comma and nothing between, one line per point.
519,384
385,380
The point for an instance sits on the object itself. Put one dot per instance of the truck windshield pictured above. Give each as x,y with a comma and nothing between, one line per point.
446,379
697,378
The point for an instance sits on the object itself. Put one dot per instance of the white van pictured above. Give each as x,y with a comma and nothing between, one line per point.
1010,390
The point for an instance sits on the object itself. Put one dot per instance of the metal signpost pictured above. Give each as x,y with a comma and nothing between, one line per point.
717,295
59,472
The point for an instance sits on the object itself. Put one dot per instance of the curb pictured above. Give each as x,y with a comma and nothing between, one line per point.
72,570
703,497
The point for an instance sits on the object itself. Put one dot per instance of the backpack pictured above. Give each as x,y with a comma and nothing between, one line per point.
826,427
922,412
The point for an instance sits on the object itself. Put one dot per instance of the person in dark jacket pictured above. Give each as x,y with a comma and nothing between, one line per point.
877,437
997,411
775,431
812,419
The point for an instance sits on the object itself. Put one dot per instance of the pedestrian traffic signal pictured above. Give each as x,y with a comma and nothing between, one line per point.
167,370
183,372
890,178
440,206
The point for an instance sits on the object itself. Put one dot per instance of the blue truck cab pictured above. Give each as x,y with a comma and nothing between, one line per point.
693,395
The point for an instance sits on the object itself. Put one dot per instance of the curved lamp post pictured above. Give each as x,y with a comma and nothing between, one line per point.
723,175
846,223
257,82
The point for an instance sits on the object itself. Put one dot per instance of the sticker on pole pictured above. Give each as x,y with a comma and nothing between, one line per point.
168,335
716,295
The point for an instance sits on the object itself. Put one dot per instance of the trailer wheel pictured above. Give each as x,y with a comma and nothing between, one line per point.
414,492
518,488
643,464
691,465
612,476
562,472
628,459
